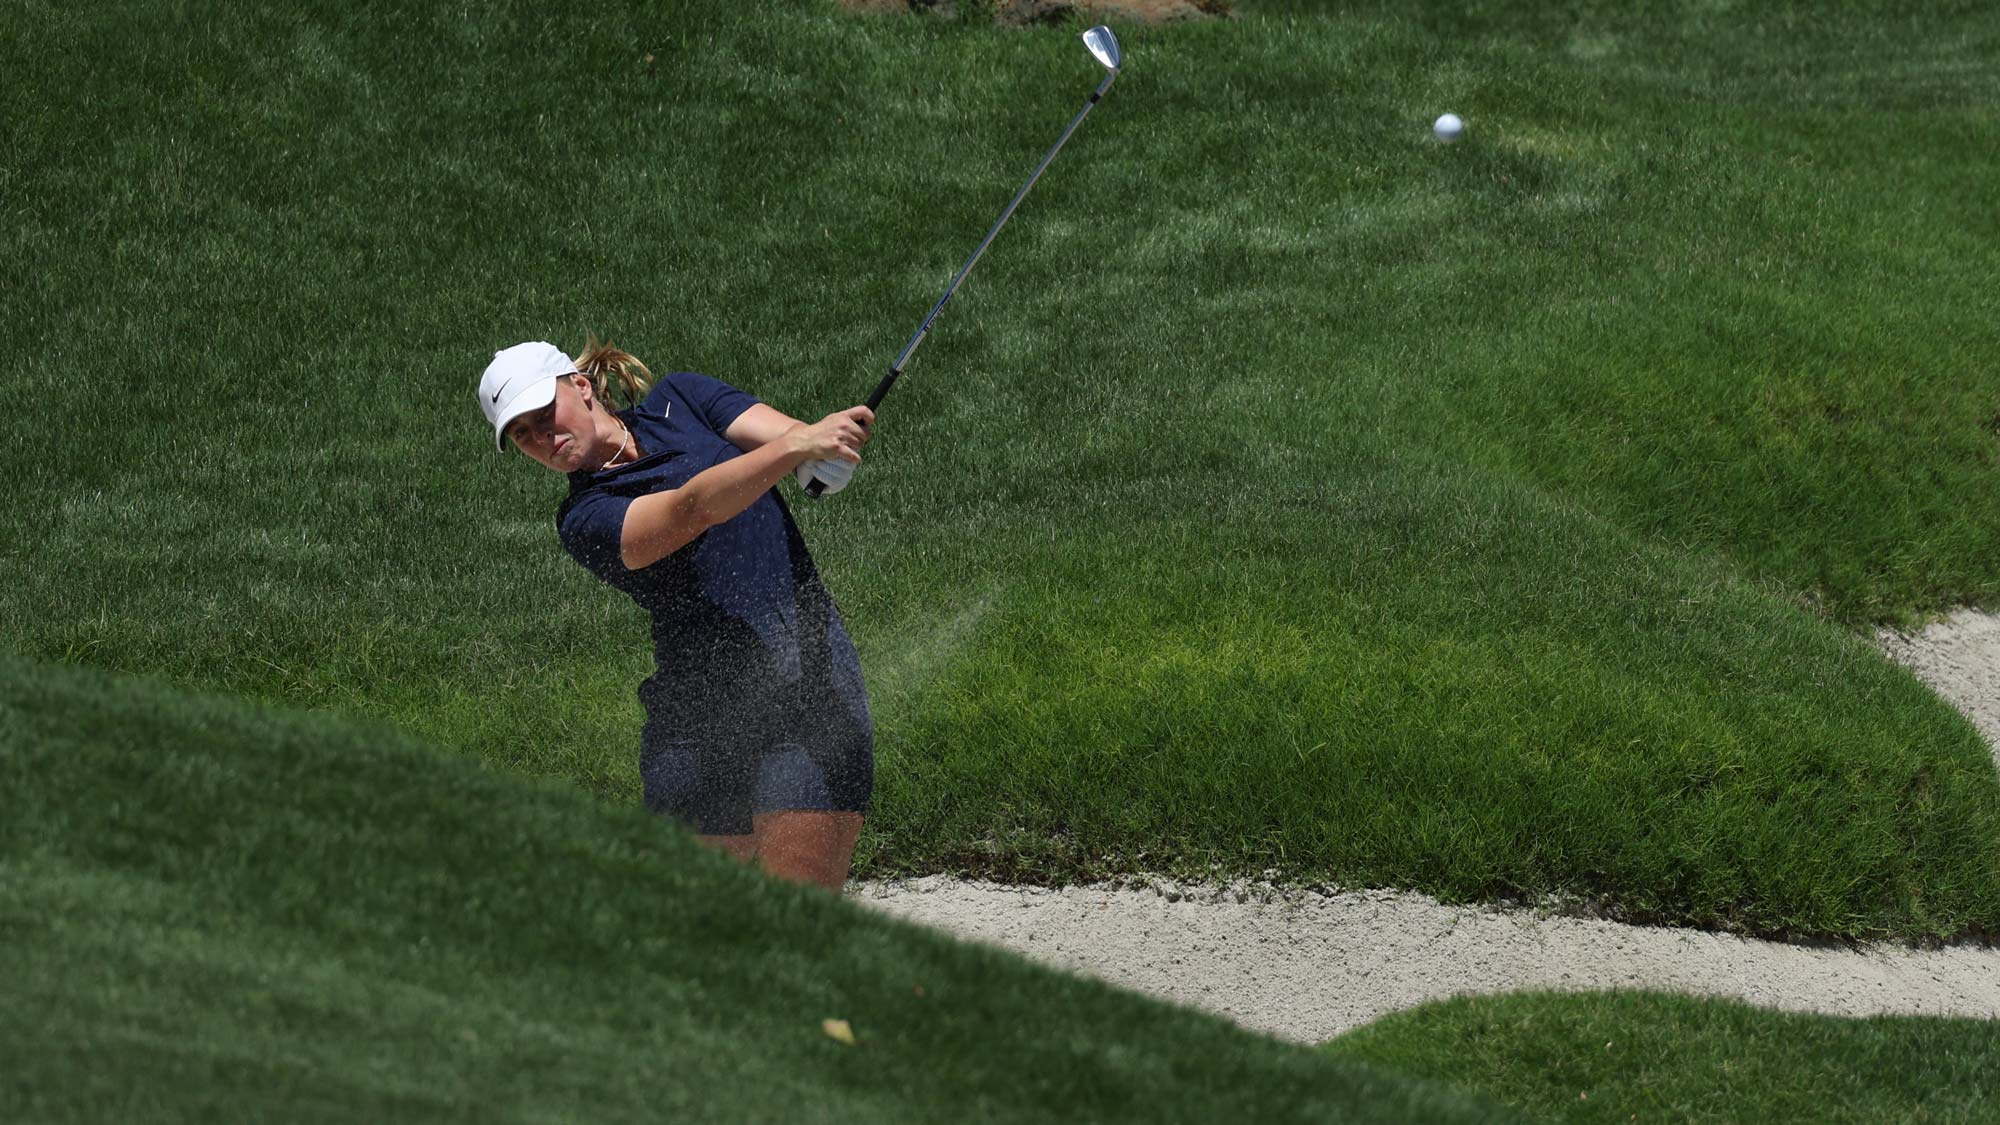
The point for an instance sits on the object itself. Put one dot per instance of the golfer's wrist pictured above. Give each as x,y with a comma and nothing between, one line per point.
798,445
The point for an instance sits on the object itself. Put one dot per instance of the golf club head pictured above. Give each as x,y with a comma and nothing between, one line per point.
1104,46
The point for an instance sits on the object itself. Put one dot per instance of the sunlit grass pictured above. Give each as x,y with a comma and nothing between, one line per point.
1286,488
214,911
1618,1057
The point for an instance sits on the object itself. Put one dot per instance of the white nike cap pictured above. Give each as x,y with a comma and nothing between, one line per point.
520,380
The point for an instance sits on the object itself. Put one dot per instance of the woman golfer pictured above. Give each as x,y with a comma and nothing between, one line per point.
757,732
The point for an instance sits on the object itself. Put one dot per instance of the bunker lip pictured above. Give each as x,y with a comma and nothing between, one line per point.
1307,965
1959,657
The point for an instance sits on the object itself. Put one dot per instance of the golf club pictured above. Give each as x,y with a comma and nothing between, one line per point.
1103,47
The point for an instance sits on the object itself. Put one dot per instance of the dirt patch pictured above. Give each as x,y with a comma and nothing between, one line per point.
1051,11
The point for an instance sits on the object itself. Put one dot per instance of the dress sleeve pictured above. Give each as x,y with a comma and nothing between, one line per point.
715,402
592,527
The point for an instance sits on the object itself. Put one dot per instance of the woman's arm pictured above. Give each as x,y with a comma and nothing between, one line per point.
758,426
660,524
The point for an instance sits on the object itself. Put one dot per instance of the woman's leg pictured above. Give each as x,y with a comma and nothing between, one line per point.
808,846
737,847
702,787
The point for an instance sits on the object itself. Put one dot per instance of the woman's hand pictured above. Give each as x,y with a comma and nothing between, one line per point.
831,475
837,437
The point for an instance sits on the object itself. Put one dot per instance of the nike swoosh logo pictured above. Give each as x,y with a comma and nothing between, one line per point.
496,396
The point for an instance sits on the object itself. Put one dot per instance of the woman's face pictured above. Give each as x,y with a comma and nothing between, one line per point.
560,435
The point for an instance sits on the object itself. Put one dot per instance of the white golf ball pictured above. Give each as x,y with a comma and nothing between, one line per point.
1449,128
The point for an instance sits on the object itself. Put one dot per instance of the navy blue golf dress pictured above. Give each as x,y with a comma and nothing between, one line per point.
757,704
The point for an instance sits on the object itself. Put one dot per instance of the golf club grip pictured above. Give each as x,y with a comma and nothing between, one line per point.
882,388
817,487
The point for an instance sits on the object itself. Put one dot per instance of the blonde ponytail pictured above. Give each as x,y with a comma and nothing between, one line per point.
600,361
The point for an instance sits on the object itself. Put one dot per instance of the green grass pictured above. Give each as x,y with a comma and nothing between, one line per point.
1286,489
214,911
1617,1057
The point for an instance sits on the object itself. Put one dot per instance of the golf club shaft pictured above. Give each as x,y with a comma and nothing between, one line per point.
896,369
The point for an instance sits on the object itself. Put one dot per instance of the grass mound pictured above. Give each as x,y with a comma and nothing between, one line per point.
1617,1057
213,911
1287,489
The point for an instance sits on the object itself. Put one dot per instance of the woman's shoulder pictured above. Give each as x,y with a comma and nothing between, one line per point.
685,386
700,399
690,384
659,400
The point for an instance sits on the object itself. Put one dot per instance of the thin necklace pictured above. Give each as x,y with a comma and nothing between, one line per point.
624,436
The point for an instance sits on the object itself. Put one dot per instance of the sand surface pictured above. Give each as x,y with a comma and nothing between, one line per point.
1306,965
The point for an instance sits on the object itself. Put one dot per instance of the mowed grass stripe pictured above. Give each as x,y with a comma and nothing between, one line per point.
1282,471
1620,1056
267,915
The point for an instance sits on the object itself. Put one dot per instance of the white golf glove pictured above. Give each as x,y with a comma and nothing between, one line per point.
836,474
